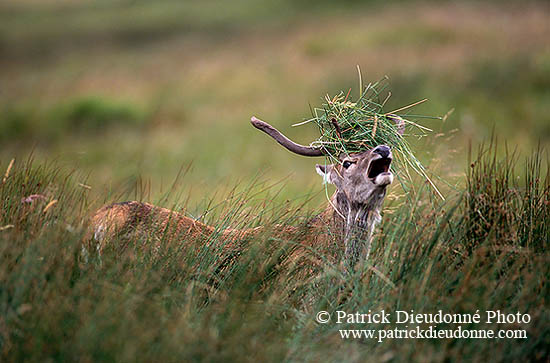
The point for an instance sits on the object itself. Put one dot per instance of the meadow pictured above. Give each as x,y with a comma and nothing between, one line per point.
105,101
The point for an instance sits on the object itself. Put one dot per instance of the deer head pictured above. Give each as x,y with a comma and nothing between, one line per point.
360,180
359,176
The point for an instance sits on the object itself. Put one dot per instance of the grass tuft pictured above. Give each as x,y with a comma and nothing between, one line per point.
348,126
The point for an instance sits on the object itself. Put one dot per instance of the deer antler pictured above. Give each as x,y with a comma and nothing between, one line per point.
285,141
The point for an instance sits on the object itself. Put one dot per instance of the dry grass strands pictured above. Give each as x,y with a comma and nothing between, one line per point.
346,127
7,174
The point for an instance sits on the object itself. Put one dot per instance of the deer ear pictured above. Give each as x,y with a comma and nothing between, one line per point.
324,171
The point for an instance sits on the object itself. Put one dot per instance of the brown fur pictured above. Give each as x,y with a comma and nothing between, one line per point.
136,219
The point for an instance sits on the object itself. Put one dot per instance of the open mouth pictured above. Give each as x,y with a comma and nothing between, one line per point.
378,167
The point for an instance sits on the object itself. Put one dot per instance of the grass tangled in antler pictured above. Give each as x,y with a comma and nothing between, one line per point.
346,127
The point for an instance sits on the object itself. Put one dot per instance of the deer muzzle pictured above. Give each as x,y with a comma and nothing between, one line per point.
379,167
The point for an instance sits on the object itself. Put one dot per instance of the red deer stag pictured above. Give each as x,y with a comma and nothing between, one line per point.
348,220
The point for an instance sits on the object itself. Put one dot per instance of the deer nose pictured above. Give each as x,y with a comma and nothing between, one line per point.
382,150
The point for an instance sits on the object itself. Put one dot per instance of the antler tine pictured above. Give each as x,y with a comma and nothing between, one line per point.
398,122
285,141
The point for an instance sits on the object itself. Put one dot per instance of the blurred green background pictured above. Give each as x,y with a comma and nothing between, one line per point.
132,92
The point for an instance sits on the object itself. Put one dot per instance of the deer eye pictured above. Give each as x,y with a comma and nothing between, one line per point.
346,164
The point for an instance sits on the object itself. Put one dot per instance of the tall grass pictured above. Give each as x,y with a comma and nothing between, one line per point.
502,212
486,249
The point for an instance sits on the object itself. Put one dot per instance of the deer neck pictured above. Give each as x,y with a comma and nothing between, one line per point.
355,222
